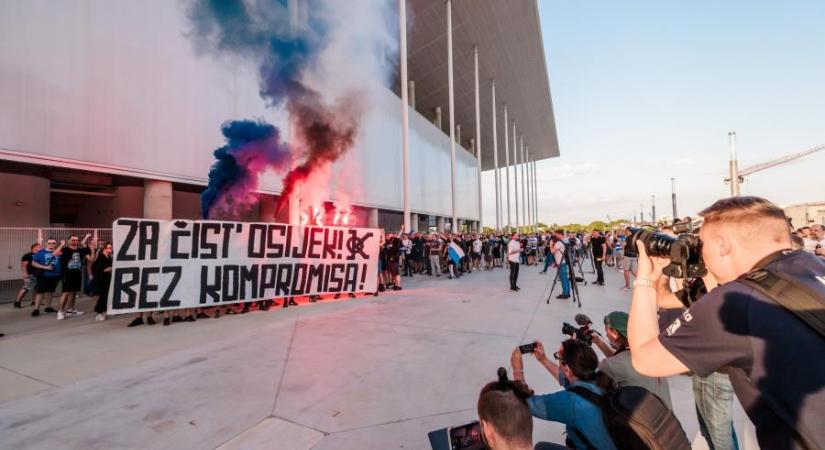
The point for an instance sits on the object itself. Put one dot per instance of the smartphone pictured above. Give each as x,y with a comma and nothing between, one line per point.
466,437
527,348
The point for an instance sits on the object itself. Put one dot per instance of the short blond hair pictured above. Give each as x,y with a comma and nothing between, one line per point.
741,209
747,212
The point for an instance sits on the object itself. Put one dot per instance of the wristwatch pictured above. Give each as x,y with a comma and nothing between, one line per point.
642,282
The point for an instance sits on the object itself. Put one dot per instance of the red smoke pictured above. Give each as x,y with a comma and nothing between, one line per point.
321,135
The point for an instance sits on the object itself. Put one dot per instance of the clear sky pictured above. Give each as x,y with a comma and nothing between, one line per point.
647,90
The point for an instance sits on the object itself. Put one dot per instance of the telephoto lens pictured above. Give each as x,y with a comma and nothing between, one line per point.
656,244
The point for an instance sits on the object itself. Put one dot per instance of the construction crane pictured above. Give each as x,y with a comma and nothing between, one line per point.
739,175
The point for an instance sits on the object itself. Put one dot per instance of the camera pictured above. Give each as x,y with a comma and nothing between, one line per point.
684,251
583,333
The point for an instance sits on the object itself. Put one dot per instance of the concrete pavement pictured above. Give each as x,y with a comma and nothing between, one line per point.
374,372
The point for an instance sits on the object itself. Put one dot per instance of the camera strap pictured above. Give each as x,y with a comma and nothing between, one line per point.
789,293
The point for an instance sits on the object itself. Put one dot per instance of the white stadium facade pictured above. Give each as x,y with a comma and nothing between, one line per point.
106,111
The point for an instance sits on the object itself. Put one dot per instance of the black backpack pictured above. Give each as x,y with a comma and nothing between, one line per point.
636,419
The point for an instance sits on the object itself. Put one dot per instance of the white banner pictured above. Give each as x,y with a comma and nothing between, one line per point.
172,264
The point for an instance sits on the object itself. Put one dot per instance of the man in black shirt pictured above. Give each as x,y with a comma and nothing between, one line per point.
28,275
71,260
599,245
773,358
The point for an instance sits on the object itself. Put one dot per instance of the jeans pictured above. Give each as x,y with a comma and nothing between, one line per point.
548,262
564,276
513,274
714,409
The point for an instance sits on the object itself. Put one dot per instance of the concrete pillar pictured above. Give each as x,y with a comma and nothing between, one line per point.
405,112
495,155
157,199
507,167
458,135
414,222
412,94
437,117
459,225
372,218
439,224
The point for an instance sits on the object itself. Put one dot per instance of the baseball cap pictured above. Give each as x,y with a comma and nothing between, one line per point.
618,321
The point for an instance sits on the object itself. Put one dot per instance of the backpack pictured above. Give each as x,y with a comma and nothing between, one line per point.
637,419
793,295
789,293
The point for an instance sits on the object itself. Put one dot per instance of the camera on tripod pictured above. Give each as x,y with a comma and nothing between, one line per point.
583,333
684,251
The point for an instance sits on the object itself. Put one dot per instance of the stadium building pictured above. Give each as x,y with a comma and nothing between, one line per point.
107,111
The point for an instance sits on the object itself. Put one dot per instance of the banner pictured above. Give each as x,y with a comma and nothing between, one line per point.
172,264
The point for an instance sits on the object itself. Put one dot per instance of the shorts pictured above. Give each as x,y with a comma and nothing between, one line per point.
392,268
47,284
475,255
29,283
72,281
629,263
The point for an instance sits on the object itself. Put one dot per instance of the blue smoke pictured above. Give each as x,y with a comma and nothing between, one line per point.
251,147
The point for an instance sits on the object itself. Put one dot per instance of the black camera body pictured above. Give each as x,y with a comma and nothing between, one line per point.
684,251
583,333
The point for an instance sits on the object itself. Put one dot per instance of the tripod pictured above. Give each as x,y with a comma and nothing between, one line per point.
574,287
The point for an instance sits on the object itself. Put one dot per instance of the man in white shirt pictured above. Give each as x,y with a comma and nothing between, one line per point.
815,242
476,256
514,255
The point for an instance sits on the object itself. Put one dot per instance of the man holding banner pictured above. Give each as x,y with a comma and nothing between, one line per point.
173,264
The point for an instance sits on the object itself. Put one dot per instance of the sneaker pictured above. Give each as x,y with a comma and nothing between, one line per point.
189,319
60,315
17,305
292,302
201,315
396,288
518,288
74,312
166,322
150,321
35,313
562,297
176,319
627,288
49,309
136,322
100,317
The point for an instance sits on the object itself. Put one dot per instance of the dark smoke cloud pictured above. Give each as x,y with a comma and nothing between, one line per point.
250,148
260,31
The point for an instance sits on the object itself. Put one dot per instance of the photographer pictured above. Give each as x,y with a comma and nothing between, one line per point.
576,368
506,423
774,358
617,362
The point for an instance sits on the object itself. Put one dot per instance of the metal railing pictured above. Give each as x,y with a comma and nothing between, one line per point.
16,242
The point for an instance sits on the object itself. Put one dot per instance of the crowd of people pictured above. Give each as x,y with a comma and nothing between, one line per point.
728,334
725,330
